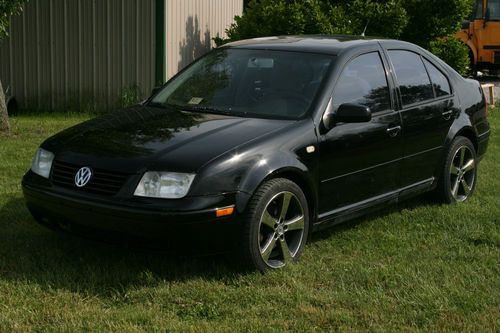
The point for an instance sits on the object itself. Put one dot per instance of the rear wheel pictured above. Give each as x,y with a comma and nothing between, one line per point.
458,179
276,225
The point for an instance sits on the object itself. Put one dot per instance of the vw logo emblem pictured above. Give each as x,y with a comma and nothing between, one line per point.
83,176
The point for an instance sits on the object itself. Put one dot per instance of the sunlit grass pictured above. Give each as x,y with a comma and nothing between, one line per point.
416,267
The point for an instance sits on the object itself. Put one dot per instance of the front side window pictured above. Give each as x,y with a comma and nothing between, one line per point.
241,82
414,83
363,81
439,81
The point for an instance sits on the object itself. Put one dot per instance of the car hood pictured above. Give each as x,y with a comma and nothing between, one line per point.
139,138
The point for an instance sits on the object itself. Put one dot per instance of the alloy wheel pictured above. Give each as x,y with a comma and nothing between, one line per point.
462,173
281,229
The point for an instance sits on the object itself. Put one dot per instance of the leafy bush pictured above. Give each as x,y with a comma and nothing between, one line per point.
130,96
432,19
281,17
385,18
453,52
294,17
423,22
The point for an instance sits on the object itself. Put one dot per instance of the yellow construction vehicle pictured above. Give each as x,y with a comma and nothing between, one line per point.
482,35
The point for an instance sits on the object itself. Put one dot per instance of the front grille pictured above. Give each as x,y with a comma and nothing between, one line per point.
102,182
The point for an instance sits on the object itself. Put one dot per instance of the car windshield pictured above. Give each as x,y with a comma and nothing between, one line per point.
243,82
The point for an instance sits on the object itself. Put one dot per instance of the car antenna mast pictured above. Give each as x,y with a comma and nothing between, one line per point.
366,27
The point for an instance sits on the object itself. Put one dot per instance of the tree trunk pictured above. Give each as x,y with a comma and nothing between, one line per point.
4,116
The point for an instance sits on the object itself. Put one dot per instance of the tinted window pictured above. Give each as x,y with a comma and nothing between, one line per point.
413,80
363,81
494,9
439,81
256,83
478,9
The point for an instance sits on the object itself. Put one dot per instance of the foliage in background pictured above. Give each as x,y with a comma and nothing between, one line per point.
7,9
423,22
281,17
386,18
432,19
453,52
131,96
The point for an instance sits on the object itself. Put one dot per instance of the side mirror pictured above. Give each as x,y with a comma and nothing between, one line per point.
465,25
155,90
347,113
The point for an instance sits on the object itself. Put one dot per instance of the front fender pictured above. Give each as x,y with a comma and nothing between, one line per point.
243,169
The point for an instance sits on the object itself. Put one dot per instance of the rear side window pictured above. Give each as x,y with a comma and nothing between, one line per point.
439,81
363,81
414,83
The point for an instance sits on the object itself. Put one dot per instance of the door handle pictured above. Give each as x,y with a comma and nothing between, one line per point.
393,131
447,114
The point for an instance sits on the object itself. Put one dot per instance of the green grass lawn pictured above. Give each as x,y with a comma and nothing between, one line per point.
418,266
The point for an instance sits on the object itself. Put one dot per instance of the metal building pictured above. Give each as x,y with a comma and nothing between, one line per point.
85,54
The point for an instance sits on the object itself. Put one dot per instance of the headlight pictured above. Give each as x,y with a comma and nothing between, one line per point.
167,185
42,162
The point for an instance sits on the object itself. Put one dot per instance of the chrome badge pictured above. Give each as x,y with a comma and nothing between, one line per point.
83,176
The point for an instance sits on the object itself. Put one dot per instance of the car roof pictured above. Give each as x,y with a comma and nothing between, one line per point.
329,44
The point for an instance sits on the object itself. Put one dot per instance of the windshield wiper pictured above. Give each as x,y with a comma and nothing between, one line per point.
199,108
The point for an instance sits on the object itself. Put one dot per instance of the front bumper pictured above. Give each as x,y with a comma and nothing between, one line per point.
141,222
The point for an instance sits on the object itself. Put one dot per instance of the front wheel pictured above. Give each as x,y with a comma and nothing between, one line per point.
276,225
459,176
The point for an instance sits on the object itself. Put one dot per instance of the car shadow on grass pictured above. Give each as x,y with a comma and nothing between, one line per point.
416,202
34,254
30,252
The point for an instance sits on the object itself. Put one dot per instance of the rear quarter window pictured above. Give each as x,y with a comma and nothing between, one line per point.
412,77
439,80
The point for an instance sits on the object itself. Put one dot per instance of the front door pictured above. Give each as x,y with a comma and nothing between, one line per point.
360,162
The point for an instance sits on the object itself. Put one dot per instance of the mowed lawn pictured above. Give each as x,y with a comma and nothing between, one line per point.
419,266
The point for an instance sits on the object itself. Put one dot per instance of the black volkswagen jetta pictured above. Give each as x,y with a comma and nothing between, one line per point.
262,141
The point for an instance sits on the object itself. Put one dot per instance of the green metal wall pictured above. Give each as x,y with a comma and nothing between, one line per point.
84,54
79,54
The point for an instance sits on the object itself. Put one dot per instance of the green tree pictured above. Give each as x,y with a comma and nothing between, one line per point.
293,17
384,18
432,19
428,23
281,17
7,9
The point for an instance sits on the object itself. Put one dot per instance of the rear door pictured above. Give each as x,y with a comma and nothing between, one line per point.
427,114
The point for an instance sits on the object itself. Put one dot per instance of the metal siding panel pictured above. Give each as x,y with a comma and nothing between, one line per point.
18,58
101,52
191,25
59,47
130,58
115,51
44,60
81,49
73,55
5,62
145,47
87,55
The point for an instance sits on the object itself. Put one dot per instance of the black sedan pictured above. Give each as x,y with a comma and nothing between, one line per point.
263,141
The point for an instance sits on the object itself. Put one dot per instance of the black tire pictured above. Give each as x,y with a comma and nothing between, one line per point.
265,209
458,177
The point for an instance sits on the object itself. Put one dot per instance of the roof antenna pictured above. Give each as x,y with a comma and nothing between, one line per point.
366,27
